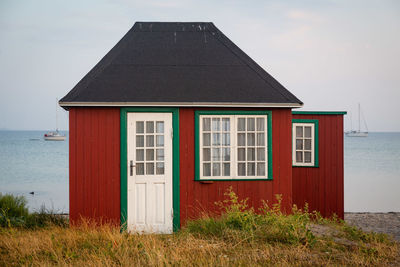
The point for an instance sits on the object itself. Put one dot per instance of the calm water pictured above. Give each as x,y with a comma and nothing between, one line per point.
372,170
34,165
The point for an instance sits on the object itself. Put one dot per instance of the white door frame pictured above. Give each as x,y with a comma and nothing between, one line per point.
149,189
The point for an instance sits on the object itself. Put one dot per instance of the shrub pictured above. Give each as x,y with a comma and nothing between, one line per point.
45,217
13,210
238,221
14,213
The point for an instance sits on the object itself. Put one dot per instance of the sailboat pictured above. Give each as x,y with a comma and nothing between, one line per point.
54,135
358,133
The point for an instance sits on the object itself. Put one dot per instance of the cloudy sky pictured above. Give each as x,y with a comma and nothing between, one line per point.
330,54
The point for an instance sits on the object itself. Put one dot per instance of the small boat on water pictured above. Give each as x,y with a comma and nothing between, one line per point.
358,133
54,135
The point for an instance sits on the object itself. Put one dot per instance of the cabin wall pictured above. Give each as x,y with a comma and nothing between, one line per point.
94,164
197,197
322,187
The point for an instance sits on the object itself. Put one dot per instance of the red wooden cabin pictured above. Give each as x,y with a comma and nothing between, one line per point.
175,114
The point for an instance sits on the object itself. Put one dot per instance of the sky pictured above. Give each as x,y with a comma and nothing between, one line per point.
331,54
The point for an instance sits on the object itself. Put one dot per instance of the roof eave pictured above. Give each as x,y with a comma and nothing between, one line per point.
66,105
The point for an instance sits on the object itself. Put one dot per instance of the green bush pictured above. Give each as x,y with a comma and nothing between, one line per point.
238,221
14,213
13,210
45,218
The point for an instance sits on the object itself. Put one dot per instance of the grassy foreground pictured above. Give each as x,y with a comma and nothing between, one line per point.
238,237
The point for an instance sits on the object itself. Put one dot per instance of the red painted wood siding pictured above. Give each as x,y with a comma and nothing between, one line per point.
197,197
94,164
322,188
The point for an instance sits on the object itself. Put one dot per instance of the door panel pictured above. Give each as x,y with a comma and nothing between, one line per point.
150,172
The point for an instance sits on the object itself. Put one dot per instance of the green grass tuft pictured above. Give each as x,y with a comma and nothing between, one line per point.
14,213
238,222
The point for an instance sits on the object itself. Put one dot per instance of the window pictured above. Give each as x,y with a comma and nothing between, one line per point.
305,143
232,145
149,147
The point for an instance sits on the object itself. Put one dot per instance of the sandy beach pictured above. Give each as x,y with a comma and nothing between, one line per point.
388,223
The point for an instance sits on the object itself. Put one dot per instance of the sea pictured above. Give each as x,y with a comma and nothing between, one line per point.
38,170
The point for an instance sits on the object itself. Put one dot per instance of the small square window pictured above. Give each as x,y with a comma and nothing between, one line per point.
305,146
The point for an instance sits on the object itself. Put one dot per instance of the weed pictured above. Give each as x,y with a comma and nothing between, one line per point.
14,213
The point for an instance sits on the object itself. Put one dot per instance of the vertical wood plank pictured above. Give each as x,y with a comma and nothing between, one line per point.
324,185
95,164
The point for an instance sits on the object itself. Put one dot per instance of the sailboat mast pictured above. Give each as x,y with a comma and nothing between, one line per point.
359,127
351,121
56,116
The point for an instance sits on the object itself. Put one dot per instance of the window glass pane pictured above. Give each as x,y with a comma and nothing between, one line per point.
226,154
250,154
260,154
250,124
139,127
149,154
216,139
242,169
160,168
160,127
260,124
241,139
139,141
307,157
149,168
206,139
299,144
216,169
226,169
216,154
250,139
160,140
206,154
260,139
241,154
160,154
149,126
299,131
307,144
139,168
226,124
307,131
241,124
149,140
215,124
207,169
139,155
226,139
251,169
260,169
206,124
299,156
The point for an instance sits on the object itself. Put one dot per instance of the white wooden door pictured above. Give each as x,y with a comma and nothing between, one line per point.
150,172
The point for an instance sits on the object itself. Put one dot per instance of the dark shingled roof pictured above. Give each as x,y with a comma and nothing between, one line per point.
173,63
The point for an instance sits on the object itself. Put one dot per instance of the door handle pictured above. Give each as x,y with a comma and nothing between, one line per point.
131,165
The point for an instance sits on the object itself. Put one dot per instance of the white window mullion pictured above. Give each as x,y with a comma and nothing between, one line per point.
233,147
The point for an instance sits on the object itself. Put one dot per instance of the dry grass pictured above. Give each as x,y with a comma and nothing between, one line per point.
95,246
239,237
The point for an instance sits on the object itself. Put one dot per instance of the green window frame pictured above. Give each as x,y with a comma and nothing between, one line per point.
264,117
299,139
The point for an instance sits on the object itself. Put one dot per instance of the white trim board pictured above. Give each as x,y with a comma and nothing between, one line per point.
178,104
